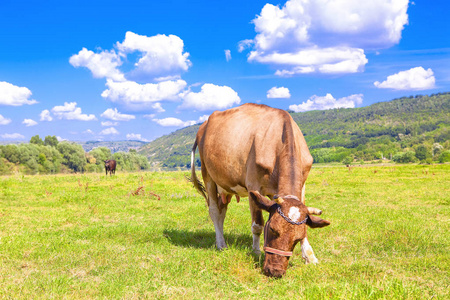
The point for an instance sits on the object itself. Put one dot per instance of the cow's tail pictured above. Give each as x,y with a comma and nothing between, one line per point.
194,179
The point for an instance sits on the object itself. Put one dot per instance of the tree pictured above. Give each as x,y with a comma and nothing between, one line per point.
36,140
51,141
422,152
444,157
100,154
73,156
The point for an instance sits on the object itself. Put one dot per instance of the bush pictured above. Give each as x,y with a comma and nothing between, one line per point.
405,157
444,157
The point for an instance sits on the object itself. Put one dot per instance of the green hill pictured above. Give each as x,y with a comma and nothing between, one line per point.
379,131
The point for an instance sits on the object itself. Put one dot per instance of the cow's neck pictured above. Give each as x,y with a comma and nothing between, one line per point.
290,169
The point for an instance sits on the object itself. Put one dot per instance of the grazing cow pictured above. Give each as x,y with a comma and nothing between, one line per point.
257,151
110,165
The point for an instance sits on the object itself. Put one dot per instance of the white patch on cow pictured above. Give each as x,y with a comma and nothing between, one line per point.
221,190
308,253
294,214
256,230
240,190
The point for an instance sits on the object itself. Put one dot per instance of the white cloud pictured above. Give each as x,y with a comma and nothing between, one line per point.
135,95
280,92
162,55
325,36
13,136
413,79
69,111
114,115
242,45
103,64
109,131
60,139
29,122
88,131
211,97
328,102
136,137
228,55
109,123
4,121
14,95
174,122
45,115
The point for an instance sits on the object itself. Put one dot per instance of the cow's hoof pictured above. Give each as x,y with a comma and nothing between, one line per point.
313,261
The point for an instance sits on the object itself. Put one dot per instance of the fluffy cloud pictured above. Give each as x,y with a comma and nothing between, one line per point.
4,121
211,97
45,115
413,79
29,122
70,111
12,136
103,64
14,95
325,36
109,123
114,115
228,55
109,131
174,122
276,92
162,55
327,102
135,95
136,137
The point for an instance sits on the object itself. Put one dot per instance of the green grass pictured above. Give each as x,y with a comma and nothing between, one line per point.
88,236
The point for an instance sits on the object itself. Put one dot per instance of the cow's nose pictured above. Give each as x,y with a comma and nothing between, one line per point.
274,272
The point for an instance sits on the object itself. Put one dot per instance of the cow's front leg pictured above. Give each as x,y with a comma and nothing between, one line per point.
257,226
308,253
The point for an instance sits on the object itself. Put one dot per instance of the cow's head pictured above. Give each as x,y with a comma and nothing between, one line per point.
107,162
284,229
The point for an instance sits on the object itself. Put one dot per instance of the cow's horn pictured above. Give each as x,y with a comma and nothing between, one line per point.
314,211
278,199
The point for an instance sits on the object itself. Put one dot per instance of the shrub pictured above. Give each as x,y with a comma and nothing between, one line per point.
444,157
405,157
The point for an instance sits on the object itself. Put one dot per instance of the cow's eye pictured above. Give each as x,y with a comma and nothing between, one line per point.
274,231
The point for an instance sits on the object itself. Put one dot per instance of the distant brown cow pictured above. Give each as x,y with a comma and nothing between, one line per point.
110,165
257,151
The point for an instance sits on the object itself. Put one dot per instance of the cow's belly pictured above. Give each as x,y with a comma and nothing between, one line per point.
235,190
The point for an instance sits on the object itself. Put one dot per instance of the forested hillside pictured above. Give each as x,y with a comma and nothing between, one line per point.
403,130
49,156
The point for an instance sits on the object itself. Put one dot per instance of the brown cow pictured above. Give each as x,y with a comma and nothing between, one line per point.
257,151
110,165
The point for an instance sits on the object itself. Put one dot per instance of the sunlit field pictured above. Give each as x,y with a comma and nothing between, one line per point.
149,235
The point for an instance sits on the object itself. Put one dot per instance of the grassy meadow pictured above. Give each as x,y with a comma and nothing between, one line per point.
148,235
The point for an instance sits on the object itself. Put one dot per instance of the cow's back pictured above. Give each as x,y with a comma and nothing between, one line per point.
241,147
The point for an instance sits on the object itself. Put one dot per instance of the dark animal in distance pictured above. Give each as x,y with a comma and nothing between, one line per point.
110,165
258,152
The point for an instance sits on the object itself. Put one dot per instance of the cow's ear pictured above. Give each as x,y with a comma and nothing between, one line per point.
316,222
261,201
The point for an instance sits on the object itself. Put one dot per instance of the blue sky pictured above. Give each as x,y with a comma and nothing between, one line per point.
118,70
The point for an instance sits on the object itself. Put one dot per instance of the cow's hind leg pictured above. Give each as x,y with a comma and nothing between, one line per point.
257,226
217,212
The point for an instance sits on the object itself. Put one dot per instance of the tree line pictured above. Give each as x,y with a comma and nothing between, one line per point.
49,156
